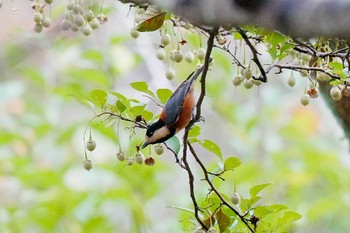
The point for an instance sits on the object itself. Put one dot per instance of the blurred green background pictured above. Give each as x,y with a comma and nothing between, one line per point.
43,187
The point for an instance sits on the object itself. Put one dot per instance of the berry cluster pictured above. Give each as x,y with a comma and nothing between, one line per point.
138,158
40,18
81,19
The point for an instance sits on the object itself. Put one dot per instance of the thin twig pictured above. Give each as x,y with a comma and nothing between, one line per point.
206,177
262,77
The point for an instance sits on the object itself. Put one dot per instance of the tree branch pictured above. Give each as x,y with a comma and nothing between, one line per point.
297,18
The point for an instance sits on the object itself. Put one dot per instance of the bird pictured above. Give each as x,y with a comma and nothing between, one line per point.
176,114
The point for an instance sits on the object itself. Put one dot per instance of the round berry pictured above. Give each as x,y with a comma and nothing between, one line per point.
305,99
90,145
130,161
134,33
37,18
313,92
291,81
201,53
78,20
94,23
86,30
74,28
159,149
121,156
335,93
46,22
150,161
178,56
247,73
170,73
189,57
87,164
237,80
248,83
70,6
38,28
139,158
161,54
89,15
65,25
165,40
48,1
235,198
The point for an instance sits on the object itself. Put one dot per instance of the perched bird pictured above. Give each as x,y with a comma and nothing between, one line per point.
176,114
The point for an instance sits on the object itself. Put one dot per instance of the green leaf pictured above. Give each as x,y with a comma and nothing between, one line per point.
122,98
142,87
163,95
120,106
212,147
223,220
100,97
258,188
174,144
289,217
194,131
152,23
231,163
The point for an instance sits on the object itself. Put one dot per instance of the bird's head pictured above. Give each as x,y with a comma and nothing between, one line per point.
156,133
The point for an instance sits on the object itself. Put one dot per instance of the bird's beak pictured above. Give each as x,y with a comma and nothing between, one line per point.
146,143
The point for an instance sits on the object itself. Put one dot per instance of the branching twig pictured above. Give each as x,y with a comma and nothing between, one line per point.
236,60
262,77
206,177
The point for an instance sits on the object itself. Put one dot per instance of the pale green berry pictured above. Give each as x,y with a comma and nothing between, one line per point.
48,1
70,6
78,20
65,25
248,83
130,161
200,53
161,54
178,56
170,73
87,164
189,57
256,82
94,23
237,80
159,149
121,156
74,28
89,15
86,30
77,9
38,18
38,28
291,81
247,73
139,158
235,198
90,145
335,93
165,40
46,22
305,99
134,33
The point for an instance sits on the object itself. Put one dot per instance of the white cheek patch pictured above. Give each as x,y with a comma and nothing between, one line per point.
159,134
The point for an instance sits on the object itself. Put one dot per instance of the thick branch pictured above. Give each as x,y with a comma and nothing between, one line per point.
298,18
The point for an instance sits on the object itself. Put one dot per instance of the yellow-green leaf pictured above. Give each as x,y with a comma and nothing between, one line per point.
212,147
151,24
142,87
231,163
163,95
99,97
